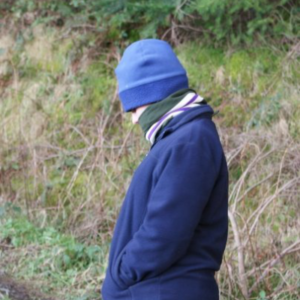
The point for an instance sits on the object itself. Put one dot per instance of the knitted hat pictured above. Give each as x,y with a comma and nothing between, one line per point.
148,72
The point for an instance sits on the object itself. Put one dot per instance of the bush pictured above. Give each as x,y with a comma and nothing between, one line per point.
236,21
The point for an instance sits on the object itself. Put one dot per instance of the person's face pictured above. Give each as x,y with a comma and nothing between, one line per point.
136,113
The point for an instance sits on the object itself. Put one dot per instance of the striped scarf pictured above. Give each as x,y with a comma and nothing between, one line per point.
190,100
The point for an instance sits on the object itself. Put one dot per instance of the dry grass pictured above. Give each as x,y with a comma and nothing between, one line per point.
264,201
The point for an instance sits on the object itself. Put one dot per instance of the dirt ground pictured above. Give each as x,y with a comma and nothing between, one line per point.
14,290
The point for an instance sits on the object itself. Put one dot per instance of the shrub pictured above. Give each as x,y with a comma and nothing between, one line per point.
237,21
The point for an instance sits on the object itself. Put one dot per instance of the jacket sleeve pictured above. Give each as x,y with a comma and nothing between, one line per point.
185,181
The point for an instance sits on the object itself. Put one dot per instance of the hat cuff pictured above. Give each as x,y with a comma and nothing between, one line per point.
152,92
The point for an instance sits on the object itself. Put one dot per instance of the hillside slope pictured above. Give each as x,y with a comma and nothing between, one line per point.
67,154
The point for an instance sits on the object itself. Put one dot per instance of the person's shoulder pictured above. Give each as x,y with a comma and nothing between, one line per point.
197,131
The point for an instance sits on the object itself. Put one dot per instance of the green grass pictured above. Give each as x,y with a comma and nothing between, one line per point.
51,259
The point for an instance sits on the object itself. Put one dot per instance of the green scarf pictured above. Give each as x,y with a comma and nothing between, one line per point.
156,110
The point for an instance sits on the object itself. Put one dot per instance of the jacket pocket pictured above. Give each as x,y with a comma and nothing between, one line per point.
116,271
148,289
111,291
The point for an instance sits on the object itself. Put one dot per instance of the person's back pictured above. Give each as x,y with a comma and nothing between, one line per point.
172,229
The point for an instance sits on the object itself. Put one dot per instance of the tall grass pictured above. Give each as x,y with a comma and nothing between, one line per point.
68,152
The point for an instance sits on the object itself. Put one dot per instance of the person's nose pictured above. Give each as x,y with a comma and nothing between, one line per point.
134,118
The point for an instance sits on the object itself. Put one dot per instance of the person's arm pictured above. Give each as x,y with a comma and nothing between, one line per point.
173,213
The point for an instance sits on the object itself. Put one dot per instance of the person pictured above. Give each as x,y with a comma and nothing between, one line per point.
171,232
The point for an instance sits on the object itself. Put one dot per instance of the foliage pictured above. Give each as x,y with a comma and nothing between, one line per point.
53,257
237,21
240,21
64,251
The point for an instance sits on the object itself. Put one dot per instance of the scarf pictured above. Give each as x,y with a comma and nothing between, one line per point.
156,116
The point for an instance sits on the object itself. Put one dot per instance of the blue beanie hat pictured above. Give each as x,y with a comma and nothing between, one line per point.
148,72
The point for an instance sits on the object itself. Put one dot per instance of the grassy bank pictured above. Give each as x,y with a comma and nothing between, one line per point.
67,155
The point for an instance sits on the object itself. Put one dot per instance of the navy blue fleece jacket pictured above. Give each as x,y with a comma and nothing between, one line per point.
172,228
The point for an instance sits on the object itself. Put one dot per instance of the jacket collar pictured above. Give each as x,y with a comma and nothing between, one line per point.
184,118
